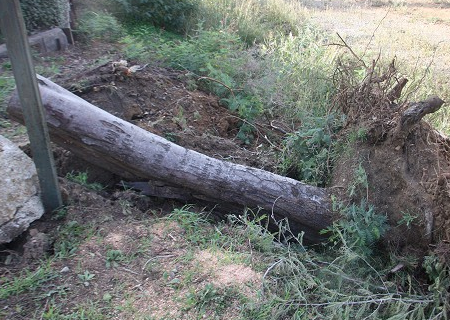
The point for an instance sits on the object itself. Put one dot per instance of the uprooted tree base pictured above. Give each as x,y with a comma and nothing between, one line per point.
406,161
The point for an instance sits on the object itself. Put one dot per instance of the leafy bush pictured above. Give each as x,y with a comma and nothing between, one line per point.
308,152
40,14
171,15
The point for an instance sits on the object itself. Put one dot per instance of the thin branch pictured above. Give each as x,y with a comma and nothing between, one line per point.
350,49
374,31
219,82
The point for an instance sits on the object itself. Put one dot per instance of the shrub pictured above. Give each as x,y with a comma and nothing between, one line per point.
308,152
171,15
39,14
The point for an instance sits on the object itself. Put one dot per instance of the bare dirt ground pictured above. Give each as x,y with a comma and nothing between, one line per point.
119,253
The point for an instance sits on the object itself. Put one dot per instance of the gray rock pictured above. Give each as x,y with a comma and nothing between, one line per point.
44,42
66,269
20,203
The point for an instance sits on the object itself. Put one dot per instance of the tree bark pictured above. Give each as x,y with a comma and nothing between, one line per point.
130,152
412,116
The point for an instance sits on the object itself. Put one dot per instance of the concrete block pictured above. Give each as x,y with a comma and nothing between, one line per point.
44,42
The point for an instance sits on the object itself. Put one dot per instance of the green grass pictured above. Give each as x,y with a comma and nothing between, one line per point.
86,311
336,282
28,280
82,178
69,237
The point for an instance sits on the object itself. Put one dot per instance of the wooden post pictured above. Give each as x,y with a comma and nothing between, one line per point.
13,29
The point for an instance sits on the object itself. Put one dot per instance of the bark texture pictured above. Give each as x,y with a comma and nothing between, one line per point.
131,152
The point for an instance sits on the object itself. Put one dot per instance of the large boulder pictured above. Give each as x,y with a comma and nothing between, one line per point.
19,197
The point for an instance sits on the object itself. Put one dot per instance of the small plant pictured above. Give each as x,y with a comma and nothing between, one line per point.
7,84
113,257
407,219
86,277
439,274
359,228
359,182
28,280
308,153
68,238
82,178
126,207
209,297
59,214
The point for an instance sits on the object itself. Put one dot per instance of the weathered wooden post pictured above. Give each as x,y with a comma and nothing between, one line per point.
13,28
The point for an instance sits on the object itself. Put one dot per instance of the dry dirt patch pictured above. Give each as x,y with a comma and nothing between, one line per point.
221,272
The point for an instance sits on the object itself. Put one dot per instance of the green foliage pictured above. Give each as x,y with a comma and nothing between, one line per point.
210,298
298,69
286,76
85,311
99,26
439,274
69,238
253,20
113,257
212,57
252,228
83,179
39,14
407,219
300,283
171,15
7,84
195,225
86,277
359,227
27,281
59,214
308,153
360,185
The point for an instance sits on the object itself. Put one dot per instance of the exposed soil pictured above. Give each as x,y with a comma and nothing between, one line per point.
157,100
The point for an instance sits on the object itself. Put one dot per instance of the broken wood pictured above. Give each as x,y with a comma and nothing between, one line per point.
131,152
412,116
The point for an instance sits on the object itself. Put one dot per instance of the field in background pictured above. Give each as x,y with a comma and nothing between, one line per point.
416,32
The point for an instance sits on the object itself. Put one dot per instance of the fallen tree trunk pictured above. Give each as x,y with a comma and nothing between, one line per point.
130,152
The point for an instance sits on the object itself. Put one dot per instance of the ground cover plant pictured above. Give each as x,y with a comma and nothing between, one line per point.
117,254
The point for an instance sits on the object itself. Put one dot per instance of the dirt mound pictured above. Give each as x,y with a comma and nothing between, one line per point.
406,161
157,100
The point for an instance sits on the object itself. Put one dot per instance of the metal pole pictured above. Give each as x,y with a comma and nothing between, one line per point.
13,29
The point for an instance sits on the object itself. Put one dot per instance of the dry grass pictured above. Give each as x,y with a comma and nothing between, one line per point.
416,32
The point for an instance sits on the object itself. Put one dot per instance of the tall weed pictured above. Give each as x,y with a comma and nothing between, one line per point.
253,20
